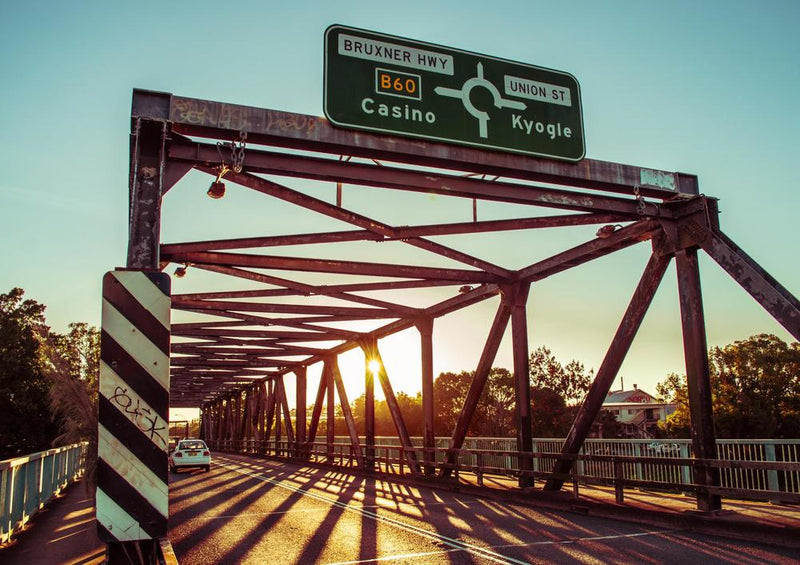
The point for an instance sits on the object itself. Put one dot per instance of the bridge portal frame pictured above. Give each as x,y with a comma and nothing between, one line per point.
171,135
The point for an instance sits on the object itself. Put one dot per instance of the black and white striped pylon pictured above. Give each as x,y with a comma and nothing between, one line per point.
133,434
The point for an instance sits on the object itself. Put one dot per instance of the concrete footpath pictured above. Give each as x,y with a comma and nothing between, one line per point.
61,533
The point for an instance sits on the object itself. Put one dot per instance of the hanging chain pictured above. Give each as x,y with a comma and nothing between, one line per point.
223,166
641,205
237,153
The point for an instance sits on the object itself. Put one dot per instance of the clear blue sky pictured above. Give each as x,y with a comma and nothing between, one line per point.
708,88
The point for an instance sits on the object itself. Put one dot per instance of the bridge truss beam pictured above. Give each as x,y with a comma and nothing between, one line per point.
234,347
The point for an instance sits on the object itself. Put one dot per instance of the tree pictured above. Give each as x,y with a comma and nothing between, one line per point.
25,422
497,404
556,392
449,390
673,389
74,374
571,381
550,416
755,387
494,415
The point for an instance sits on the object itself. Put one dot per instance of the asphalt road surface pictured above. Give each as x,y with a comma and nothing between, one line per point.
270,512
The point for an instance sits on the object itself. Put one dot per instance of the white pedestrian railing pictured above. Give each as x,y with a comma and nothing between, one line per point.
499,454
27,483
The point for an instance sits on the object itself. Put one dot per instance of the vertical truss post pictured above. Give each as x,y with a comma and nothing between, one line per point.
369,413
317,412
221,420
278,428
348,414
620,345
370,346
229,421
263,436
287,418
270,410
479,381
425,327
244,429
300,410
697,375
148,163
258,416
330,425
255,412
518,294
237,422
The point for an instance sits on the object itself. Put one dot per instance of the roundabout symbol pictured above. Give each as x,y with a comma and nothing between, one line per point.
464,92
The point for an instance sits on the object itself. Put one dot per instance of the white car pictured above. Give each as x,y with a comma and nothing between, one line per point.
190,453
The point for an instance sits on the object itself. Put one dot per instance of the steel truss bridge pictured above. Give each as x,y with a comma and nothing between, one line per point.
233,350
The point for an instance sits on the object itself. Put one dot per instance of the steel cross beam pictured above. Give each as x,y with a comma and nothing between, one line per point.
217,120
207,158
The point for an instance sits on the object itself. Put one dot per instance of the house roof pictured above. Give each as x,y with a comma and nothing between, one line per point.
635,395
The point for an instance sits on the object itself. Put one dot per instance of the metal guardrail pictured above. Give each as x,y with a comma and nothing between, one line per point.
757,469
28,483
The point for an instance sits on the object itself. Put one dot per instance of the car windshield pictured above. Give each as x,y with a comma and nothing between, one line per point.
192,445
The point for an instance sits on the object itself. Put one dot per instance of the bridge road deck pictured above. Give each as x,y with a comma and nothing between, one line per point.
249,510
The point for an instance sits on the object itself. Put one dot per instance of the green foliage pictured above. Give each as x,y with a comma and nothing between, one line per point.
755,387
570,382
494,415
48,381
556,392
25,422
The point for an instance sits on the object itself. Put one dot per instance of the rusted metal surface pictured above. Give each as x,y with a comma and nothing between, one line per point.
517,295
233,346
425,327
759,283
697,373
148,163
383,176
217,120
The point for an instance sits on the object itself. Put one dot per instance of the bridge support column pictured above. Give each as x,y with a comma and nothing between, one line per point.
522,389
300,411
331,406
697,375
369,414
425,328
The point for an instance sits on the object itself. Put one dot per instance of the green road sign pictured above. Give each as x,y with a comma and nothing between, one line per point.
395,85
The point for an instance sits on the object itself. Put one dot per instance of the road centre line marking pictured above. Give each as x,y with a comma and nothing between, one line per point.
394,557
548,542
591,538
451,542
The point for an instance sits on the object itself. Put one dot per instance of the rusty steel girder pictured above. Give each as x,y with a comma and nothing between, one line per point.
233,347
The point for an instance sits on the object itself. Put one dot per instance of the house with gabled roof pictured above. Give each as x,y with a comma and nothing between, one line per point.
637,411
